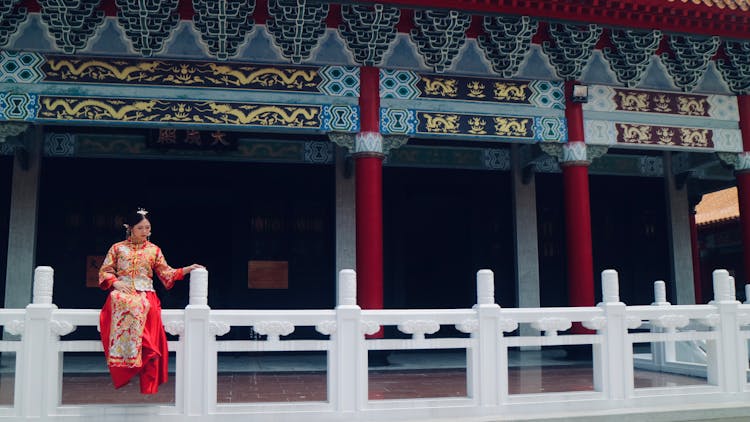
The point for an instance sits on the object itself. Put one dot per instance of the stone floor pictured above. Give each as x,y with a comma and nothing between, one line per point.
246,378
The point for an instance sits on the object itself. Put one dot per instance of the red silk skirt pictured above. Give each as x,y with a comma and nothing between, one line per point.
154,352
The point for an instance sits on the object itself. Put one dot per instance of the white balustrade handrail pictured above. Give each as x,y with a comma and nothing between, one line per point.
720,327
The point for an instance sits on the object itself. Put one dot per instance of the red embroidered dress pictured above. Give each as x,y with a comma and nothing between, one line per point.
132,332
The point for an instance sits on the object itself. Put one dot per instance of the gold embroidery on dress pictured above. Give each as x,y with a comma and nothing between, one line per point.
126,330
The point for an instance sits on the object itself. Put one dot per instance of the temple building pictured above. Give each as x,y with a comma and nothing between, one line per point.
279,141
717,219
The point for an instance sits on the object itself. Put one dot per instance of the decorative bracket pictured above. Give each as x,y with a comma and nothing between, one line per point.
418,328
572,48
632,53
61,328
15,327
438,35
529,155
296,26
574,153
71,22
507,41
736,68
223,24
11,129
369,327
671,321
468,326
368,31
596,323
368,142
148,23
10,19
689,59
218,328
551,325
326,327
739,162
274,329
176,328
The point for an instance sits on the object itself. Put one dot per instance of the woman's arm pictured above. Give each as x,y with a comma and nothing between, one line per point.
107,273
167,274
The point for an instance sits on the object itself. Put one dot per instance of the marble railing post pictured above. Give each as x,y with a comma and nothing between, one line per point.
662,352
491,369
39,379
725,363
196,370
613,359
347,361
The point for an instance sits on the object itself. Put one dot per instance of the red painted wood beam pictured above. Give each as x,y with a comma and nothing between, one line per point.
743,184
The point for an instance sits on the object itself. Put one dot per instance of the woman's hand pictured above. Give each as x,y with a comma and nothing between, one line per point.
190,268
124,287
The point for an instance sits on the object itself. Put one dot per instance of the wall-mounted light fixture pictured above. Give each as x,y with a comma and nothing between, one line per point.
580,94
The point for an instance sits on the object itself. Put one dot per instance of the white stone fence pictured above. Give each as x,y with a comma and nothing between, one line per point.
613,329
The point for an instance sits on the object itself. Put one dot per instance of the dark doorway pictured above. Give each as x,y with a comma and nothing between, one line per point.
630,234
220,214
440,227
551,234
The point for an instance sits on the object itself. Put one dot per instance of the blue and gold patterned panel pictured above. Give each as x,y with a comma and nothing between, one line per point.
407,85
18,106
178,112
490,127
621,100
180,73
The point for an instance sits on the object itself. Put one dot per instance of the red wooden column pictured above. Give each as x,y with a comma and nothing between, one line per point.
577,207
743,180
368,156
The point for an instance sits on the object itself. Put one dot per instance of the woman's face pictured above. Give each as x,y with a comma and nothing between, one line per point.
141,231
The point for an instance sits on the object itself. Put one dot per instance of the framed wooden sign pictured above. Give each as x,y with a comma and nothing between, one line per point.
267,274
93,263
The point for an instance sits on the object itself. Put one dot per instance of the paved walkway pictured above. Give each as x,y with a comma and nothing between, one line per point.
293,377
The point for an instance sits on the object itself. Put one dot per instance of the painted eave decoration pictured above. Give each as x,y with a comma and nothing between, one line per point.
730,18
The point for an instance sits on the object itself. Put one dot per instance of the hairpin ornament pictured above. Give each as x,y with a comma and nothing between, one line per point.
142,212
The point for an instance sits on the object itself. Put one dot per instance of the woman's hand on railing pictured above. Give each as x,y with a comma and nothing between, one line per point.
190,268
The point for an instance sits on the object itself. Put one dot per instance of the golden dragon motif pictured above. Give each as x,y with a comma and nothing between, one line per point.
636,134
97,69
694,137
504,91
263,115
90,109
510,126
633,101
265,77
440,86
691,106
441,123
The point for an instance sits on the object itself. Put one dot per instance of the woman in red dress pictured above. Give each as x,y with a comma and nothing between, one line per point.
130,321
